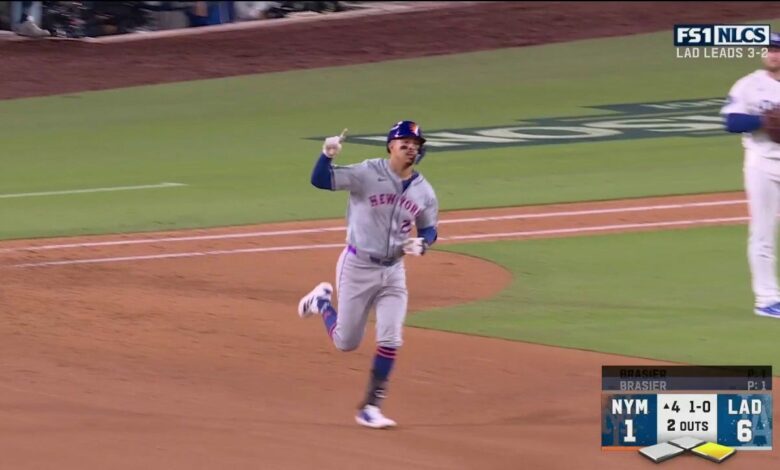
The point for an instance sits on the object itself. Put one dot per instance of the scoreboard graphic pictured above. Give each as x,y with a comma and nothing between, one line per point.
721,406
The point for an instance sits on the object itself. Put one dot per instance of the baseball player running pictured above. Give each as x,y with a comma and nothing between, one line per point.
748,99
386,198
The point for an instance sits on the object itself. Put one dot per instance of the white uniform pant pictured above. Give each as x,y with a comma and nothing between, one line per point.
763,192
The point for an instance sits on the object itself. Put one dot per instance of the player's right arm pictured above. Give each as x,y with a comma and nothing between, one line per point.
738,118
322,175
326,175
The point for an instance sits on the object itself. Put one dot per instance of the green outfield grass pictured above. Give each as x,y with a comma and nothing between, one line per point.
242,144
678,295
243,148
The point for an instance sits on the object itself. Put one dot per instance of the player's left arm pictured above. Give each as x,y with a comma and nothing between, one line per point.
738,123
427,232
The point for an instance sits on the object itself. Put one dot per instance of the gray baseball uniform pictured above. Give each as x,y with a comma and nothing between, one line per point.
383,209
370,270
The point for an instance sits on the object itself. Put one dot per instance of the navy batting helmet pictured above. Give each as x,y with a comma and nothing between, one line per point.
407,130
774,40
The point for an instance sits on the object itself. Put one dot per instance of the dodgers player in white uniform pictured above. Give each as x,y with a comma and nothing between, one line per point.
387,197
748,98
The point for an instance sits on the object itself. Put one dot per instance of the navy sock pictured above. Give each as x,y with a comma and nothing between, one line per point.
377,385
329,316
383,362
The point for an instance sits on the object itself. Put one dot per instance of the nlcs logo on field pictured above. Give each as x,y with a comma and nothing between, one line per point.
721,35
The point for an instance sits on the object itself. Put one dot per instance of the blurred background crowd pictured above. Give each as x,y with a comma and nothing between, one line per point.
73,19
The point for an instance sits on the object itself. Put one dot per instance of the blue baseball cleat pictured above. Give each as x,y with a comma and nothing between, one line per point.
771,311
309,304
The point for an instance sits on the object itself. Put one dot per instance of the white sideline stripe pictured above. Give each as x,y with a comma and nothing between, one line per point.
179,239
598,228
190,254
542,215
338,229
93,190
341,245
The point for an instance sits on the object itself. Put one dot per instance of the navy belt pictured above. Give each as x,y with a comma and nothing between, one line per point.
373,259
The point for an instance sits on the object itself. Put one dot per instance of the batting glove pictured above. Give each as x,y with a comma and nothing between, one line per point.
332,145
415,246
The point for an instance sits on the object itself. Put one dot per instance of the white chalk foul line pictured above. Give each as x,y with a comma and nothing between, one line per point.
613,210
92,190
339,229
341,245
599,228
225,236
190,254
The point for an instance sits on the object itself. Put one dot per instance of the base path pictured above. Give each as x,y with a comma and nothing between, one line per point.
183,351
318,240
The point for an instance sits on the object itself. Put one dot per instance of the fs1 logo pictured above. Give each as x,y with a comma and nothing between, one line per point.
721,35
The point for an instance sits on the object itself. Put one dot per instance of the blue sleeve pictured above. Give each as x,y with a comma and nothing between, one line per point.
429,234
322,175
738,123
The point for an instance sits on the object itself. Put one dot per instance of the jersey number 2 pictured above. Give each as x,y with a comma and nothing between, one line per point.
406,226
